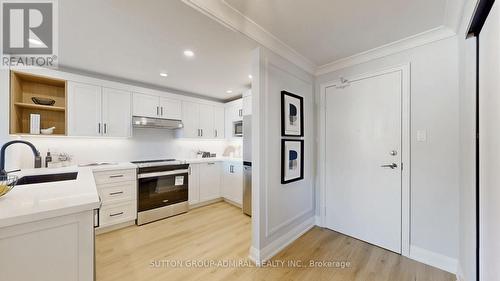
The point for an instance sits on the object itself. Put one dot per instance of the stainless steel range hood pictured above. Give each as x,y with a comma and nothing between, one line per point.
156,123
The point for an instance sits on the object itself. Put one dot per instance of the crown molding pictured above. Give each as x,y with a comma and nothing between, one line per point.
453,14
228,16
420,39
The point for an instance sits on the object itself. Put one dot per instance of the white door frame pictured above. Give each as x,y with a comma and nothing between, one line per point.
405,148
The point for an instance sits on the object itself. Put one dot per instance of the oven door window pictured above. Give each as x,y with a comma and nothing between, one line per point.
157,192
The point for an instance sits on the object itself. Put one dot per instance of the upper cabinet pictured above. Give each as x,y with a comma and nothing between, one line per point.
202,121
116,113
98,111
145,105
156,107
234,113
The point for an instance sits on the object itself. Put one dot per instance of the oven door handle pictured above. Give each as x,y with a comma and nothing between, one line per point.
160,174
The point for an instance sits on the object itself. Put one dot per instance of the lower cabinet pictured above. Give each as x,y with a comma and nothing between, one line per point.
210,179
118,193
214,180
60,248
232,182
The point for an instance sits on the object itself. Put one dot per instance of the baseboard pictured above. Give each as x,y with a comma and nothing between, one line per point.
317,221
265,254
110,228
434,259
206,203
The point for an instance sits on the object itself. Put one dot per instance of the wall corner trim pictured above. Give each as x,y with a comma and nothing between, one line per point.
269,251
434,259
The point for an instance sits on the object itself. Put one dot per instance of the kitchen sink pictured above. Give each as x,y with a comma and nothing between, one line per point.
47,178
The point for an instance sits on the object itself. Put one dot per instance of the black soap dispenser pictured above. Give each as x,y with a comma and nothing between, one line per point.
48,159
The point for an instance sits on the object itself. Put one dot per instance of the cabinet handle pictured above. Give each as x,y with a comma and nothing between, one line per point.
116,193
99,128
157,110
189,170
105,128
116,176
117,214
216,133
211,163
162,111
201,130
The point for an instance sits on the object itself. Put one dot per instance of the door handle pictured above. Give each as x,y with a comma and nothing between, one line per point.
392,166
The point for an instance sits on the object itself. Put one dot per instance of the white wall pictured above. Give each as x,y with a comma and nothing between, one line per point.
489,142
467,216
434,163
280,212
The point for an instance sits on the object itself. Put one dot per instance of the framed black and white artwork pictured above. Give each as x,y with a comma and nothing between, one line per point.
292,115
292,160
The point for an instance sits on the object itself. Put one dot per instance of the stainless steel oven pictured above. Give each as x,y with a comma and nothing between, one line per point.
162,190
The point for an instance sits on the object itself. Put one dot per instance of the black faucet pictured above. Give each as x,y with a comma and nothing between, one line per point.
38,159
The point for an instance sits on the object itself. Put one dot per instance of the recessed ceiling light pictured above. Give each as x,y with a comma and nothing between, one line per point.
163,74
189,53
250,76
229,91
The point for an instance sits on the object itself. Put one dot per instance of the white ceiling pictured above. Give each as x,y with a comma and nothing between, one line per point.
324,31
136,40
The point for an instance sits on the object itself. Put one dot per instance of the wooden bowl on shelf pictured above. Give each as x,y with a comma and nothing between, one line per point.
43,101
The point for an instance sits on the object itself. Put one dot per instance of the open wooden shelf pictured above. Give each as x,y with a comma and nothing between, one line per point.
23,87
38,106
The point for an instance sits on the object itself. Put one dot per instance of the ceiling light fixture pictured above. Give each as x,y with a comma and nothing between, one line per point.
250,76
189,53
163,74
229,91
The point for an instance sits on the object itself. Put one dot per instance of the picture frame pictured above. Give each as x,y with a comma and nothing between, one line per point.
292,115
292,160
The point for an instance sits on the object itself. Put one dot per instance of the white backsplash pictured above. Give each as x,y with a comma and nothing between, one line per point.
145,144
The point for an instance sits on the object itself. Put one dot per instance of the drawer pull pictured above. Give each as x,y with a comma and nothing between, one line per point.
116,193
116,176
117,214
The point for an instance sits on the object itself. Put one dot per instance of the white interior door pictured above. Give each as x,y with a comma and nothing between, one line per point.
363,133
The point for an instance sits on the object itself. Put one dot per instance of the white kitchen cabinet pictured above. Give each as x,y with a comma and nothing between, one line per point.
116,117
170,109
190,119
156,107
194,184
219,117
206,121
232,182
97,111
210,180
84,110
145,105
202,121
60,248
118,193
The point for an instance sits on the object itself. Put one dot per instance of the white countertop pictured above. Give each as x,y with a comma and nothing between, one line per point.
28,203
212,159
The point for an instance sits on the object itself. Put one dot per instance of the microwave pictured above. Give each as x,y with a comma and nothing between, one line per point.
238,129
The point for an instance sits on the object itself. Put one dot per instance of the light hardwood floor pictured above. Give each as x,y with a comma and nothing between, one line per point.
220,232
